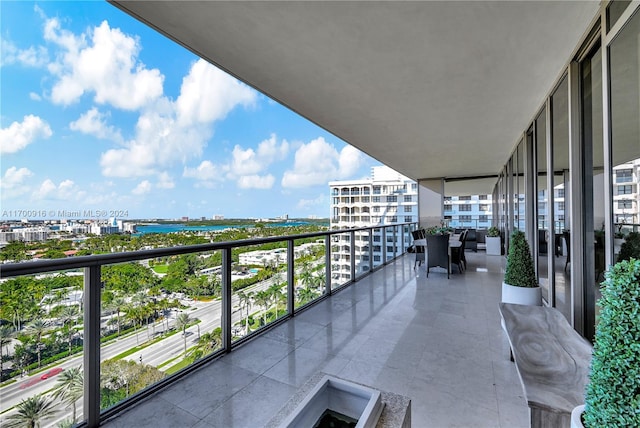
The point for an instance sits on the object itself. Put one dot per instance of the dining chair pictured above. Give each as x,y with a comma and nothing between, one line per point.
438,252
418,234
457,253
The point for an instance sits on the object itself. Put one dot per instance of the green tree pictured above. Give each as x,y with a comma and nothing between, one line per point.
15,251
263,299
36,329
245,302
69,388
182,322
6,335
31,412
207,343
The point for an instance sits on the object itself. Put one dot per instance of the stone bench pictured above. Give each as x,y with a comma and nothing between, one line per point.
552,360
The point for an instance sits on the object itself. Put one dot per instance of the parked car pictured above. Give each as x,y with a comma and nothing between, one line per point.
51,373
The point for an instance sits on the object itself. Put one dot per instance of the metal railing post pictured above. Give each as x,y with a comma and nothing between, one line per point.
327,266
383,241
291,277
371,266
395,241
91,345
227,294
352,238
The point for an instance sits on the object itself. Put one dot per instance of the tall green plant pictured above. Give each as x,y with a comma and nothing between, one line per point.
520,271
613,393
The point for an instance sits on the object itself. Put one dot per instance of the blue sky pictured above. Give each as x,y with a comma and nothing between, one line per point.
99,112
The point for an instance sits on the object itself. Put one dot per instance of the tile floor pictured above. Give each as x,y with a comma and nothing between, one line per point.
435,340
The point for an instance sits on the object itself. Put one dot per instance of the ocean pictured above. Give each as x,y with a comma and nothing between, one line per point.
169,228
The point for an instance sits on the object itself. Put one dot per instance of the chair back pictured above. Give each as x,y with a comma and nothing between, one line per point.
438,251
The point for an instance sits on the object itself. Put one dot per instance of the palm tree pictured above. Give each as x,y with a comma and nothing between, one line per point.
263,298
117,304
31,412
207,343
245,302
182,321
6,335
276,295
37,328
69,387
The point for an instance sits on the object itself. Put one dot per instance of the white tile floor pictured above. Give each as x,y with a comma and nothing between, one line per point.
435,340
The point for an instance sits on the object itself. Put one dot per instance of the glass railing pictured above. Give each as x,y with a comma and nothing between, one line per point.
109,330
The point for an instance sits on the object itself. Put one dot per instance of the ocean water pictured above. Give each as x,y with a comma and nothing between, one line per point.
169,228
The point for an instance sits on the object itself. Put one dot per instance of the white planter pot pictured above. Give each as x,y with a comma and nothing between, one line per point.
576,422
531,296
493,246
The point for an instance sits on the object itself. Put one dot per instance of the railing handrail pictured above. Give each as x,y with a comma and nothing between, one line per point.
9,270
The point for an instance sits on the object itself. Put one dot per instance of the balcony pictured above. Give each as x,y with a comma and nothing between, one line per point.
435,340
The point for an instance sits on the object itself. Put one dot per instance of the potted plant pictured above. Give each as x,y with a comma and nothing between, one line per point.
520,283
493,242
612,396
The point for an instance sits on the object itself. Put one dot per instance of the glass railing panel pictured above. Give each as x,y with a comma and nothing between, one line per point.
263,299
42,351
310,268
341,259
378,246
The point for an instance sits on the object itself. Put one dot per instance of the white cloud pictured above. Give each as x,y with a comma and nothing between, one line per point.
169,133
142,188
20,134
13,183
319,162
94,123
209,94
321,200
35,97
206,171
66,190
256,181
165,181
30,57
102,61
246,164
14,177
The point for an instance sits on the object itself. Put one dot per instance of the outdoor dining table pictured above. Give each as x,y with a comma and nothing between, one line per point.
454,242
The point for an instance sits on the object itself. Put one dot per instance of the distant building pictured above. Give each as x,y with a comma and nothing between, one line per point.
26,234
385,198
217,217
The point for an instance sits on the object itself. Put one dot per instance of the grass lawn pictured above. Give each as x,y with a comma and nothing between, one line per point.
160,268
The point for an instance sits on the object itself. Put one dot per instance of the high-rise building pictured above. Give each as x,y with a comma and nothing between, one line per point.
384,198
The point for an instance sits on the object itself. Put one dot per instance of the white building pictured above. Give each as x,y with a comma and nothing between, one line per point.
626,198
468,211
385,198
26,234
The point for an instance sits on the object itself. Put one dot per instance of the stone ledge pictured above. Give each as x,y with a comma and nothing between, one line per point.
396,412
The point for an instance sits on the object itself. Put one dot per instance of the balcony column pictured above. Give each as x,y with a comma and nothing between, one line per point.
430,201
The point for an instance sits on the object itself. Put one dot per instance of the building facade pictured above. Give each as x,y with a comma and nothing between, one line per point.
385,198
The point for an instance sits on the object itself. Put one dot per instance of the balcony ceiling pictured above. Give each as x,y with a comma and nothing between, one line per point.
431,89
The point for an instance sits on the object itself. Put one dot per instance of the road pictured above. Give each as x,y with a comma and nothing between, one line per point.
209,314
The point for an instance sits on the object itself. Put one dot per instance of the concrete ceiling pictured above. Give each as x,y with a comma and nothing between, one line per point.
431,89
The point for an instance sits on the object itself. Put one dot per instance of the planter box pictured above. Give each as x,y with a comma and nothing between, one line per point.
493,246
531,296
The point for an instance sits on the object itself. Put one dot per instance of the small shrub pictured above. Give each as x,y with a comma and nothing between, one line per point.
520,271
493,232
613,393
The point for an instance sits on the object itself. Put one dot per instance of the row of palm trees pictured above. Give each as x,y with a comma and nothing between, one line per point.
274,296
35,409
